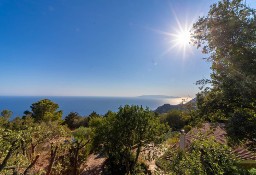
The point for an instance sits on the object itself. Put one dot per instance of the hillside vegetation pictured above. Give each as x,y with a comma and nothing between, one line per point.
219,129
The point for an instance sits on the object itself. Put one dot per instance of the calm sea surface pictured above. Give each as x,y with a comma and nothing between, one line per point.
83,105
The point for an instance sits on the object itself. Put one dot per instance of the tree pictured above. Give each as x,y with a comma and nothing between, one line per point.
175,118
73,120
94,114
13,158
123,134
45,110
79,149
228,36
243,125
16,123
9,144
27,113
22,141
68,156
5,116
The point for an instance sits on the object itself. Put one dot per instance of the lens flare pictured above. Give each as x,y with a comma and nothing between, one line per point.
182,38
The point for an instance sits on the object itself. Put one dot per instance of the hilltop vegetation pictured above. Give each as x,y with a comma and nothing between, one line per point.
50,145
41,143
133,138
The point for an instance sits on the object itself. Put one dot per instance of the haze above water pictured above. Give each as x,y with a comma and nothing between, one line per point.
84,105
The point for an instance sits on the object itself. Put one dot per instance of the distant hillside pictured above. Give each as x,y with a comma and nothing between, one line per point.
157,96
167,107
193,101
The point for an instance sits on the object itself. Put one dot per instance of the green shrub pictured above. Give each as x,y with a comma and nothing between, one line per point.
175,119
252,171
205,156
187,128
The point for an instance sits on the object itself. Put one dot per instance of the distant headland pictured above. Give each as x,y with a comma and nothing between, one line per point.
157,96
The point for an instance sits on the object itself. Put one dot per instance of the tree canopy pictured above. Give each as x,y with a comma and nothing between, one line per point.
123,133
45,110
227,35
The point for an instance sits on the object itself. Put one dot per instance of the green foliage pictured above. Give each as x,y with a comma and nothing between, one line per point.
163,162
124,133
45,110
5,116
176,119
94,114
15,123
24,140
73,120
21,142
227,35
21,123
242,124
78,149
45,132
10,142
187,128
211,107
252,171
82,135
204,157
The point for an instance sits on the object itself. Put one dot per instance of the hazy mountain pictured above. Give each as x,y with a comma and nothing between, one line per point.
167,107
157,96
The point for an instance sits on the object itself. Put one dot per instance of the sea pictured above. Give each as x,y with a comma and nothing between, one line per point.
83,105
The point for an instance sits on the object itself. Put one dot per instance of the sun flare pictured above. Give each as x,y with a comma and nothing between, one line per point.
179,37
182,38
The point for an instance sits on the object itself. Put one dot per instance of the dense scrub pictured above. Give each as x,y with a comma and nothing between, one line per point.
40,142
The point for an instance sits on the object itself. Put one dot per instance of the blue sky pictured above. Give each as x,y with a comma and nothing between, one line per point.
98,47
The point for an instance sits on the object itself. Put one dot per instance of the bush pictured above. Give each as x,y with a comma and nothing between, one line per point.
205,156
252,171
175,119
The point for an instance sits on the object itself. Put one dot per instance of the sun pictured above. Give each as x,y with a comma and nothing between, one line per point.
182,38
179,40
179,37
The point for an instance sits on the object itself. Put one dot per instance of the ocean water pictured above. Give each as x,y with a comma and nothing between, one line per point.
82,105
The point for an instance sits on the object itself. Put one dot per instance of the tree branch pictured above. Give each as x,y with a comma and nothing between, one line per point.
7,157
31,165
53,155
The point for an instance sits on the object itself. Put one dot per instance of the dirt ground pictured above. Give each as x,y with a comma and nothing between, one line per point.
93,165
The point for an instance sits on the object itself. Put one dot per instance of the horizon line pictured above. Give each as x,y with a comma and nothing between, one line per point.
164,96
